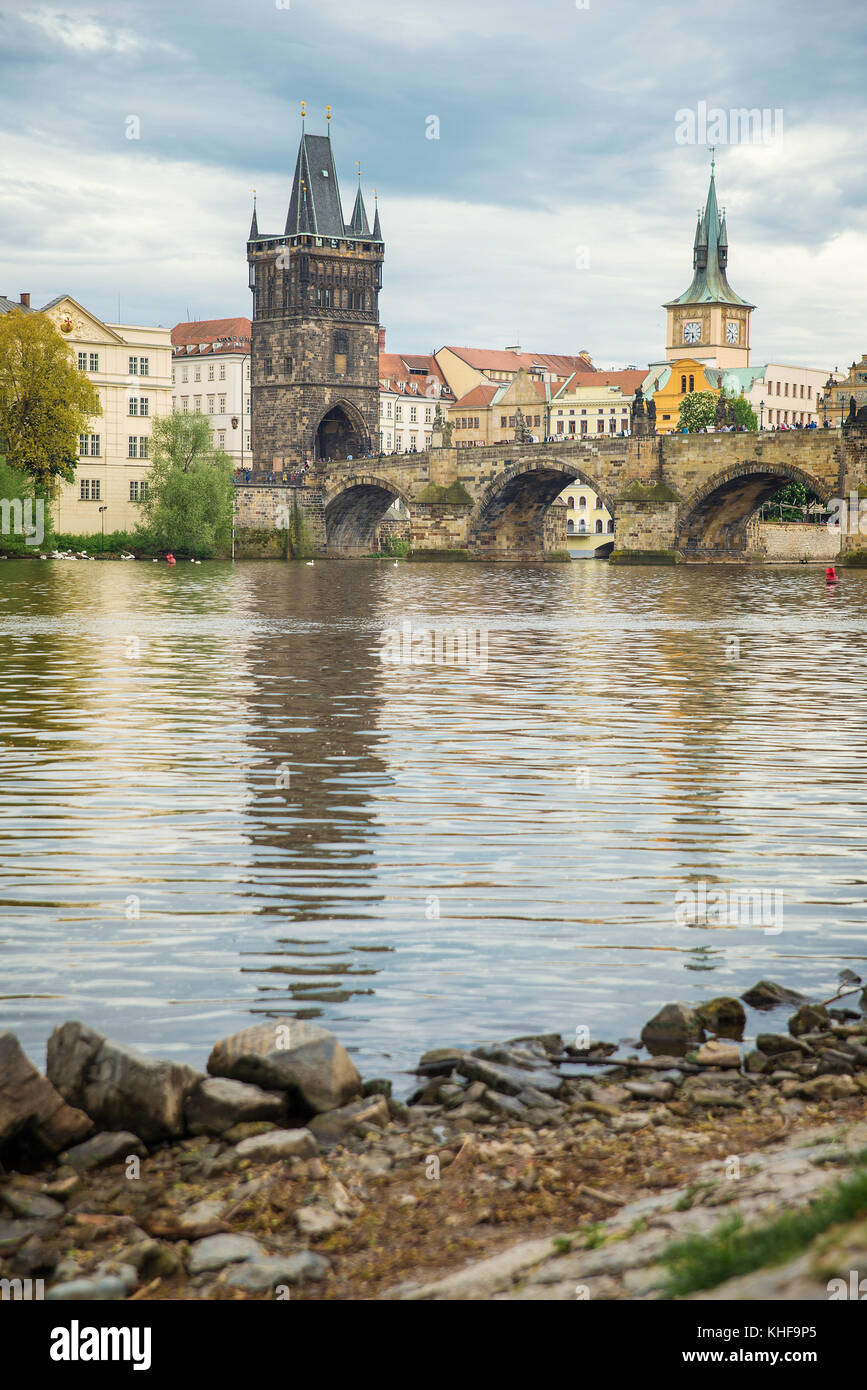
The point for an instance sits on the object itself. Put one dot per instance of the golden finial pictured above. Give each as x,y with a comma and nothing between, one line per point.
303,113
328,114
358,167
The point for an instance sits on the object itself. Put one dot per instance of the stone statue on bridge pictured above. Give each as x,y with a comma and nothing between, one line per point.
522,432
441,432
643,415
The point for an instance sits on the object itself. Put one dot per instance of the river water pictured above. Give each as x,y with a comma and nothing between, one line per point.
221,804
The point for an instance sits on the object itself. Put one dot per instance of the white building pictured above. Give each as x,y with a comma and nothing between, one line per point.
409,389
779,394
130,366
211,377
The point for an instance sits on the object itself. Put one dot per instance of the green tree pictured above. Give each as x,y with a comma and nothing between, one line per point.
697,411
188,506
25,518
45,402
791,501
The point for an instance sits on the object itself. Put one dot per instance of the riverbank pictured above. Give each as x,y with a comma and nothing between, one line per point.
532,1169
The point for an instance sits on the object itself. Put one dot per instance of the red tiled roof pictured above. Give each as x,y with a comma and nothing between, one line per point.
230,334
493,360
479,395
628,381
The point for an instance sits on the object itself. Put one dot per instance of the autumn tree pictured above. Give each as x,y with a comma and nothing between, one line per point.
45,402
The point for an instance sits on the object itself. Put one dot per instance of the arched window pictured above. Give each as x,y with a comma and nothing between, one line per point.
582,527
571,502
570,527
598,504
683,385
598,526
582,501
692,383
611,528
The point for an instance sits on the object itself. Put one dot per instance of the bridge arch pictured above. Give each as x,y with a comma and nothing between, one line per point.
508,521
341,432
712,523
353,507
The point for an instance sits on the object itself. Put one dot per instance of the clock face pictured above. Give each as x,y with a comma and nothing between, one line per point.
732,334
691,331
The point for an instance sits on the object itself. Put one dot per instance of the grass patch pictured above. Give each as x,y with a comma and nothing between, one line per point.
438,555
455,495
645,557
854,559
703,1262
640,492
556,557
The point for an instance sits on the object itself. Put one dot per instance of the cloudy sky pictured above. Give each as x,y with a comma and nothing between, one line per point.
556,208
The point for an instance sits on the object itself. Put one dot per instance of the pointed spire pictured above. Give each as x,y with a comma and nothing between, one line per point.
254,225
710,256
377,230
358,223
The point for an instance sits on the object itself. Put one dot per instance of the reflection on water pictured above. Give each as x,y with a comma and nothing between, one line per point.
219,802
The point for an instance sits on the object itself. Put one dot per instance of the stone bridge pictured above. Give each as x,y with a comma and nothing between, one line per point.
672,497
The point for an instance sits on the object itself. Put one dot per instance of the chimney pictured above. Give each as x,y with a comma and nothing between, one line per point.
382,340
24,299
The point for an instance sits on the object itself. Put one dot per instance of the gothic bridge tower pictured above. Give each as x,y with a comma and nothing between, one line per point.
315,339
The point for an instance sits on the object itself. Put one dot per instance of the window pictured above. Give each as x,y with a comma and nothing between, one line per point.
571,502
778,388
692,383
683,385
185,405
413,415
611,528
786,389
802,390
582,501
173,376
222,405
133,405
144,366
266,366
82,361
211,404
809,393
341,353
582,527
197,404
144,405
133,366
560,426
398,414
247,370
197,373
221,439
222,371
388,410
583,426
287,366
247,404
246,441
89,489
598,527
143,446
185,373
88,445
138,490
598,504
427,415
503,422
571,426
570,526
94,361
132,445
210,371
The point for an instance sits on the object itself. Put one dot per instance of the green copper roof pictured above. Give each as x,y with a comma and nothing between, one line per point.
709,259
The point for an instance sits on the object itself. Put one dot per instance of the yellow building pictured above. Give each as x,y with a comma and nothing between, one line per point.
677,380
131,368
486,414
589,524
594,403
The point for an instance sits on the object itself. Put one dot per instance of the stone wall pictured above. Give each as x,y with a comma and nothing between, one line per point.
798,540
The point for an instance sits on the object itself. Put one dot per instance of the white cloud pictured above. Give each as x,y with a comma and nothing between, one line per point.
85,35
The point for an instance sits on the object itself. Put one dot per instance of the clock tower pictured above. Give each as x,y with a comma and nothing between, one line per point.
709,321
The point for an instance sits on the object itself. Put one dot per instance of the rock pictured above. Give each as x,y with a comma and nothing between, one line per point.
724,1015
14,1233
808,1018
773,1043
314,1222
30,1205
278,1143
439,1061
204,1218
531,1097
711,1098
379,1086
717,1054
767,995
118,1086
214,1252
151,1258
35,1121
217,1103
672,1031
755,1062
103,1149
290,1055
509,1106
106,1289
827,1088
650,1090
509,1081
255,1276
334,1124
118,1269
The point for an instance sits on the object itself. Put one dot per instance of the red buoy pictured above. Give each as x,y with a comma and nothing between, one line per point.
170,559
830,575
